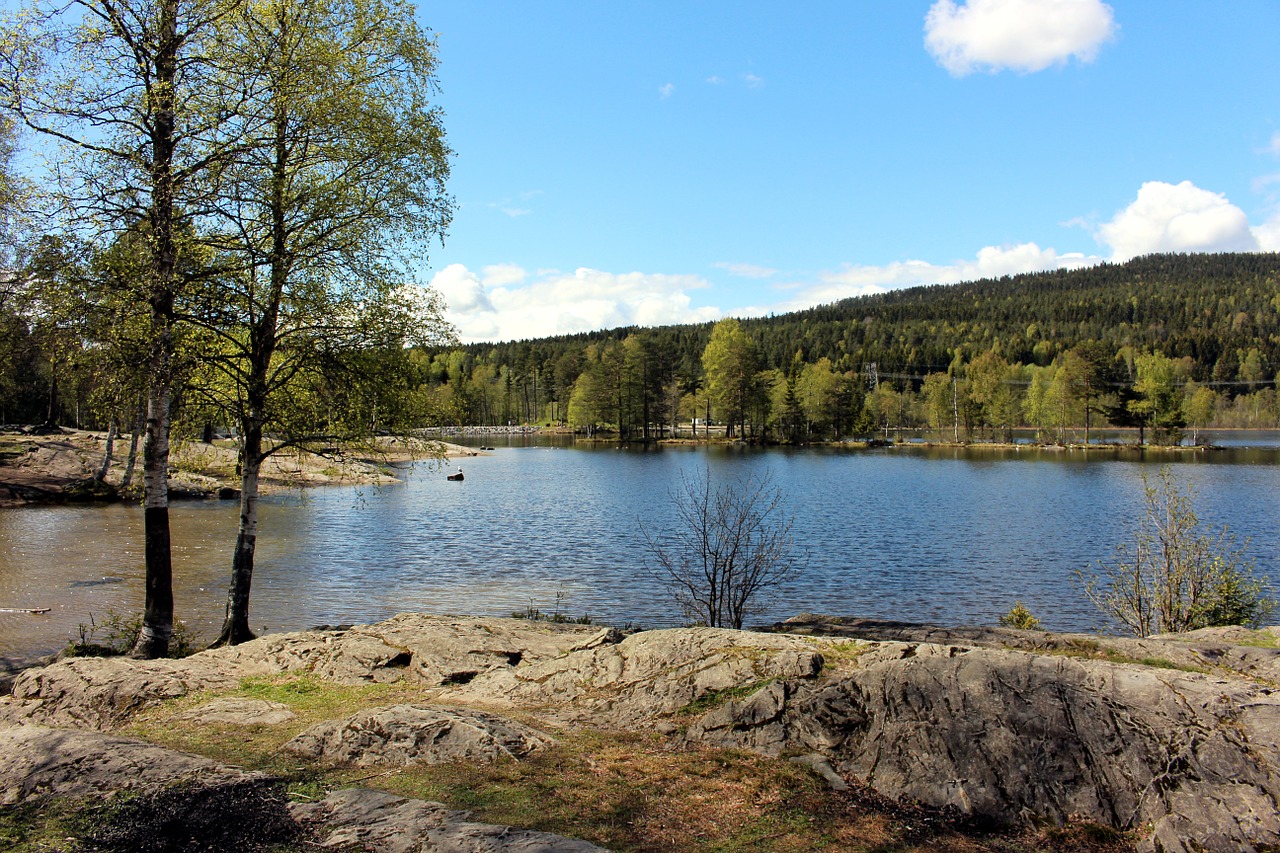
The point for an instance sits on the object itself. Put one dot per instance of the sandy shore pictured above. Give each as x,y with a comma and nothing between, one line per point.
50,468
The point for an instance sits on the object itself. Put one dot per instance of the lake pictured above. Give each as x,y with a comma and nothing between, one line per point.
920,534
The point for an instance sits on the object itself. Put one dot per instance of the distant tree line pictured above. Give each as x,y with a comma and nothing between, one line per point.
1167,344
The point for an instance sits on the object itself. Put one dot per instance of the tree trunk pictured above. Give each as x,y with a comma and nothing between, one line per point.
235,627
157,617
110,449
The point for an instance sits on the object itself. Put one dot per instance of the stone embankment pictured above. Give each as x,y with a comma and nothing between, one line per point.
1176,739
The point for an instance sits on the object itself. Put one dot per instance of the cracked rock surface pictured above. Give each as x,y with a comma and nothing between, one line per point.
410,734
1175,738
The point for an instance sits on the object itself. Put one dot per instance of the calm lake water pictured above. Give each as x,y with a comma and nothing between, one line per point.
943,535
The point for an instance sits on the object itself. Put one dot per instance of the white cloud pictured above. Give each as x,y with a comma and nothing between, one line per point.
753,81
666,90
502,275
1024,35
1177,218
462,290
715,79
1274,146
1268,235
566,303
990,262
746,270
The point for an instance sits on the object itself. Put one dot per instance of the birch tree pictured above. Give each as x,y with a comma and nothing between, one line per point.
127,96
339,182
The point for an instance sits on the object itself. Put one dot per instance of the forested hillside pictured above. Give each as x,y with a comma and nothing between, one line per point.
1214,318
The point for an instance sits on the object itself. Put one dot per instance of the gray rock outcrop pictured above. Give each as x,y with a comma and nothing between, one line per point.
411,734
384,823
103,693
36,761
1175,738
646,677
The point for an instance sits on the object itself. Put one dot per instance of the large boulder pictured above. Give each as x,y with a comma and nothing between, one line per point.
103,693
1008,735
411,734
647,677
36,761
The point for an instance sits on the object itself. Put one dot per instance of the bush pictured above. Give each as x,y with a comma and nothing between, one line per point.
1020,617
731,547
1173,576
117,634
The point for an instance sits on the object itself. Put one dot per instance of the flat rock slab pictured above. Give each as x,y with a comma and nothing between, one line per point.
378,822
431,650
36,761
648,676
103,693
235,711
412,734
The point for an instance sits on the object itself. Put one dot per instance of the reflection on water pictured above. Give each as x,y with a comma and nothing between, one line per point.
926,534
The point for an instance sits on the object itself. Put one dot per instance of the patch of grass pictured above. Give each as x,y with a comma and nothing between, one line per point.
1258,640
714,699
1093,650
258,746
38,826
840,654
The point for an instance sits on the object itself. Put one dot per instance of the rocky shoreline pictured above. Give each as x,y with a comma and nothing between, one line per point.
1174,742
60,466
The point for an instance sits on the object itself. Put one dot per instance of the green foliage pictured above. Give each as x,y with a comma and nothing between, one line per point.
1173,576
535,614
117,634
1020,617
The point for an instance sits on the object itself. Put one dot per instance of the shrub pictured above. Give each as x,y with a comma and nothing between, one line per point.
1020,617
1173,576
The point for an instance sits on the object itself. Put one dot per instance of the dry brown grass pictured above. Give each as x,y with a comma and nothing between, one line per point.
626,791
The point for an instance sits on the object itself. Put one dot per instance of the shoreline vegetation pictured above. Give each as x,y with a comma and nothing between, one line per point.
61,465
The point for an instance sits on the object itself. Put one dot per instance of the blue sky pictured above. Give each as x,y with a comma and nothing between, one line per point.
669,162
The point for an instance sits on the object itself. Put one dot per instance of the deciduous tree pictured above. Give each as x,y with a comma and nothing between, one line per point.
129,90
731,545
341,171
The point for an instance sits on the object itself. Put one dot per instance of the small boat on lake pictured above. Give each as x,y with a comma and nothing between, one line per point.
457,476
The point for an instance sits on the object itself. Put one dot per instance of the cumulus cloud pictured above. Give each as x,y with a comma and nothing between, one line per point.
746,270
1023,35
666,90
501,275
1178,218
1268,235
565,303
753,81
990,262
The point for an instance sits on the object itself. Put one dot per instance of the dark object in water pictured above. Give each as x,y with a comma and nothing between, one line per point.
99,582
457,476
